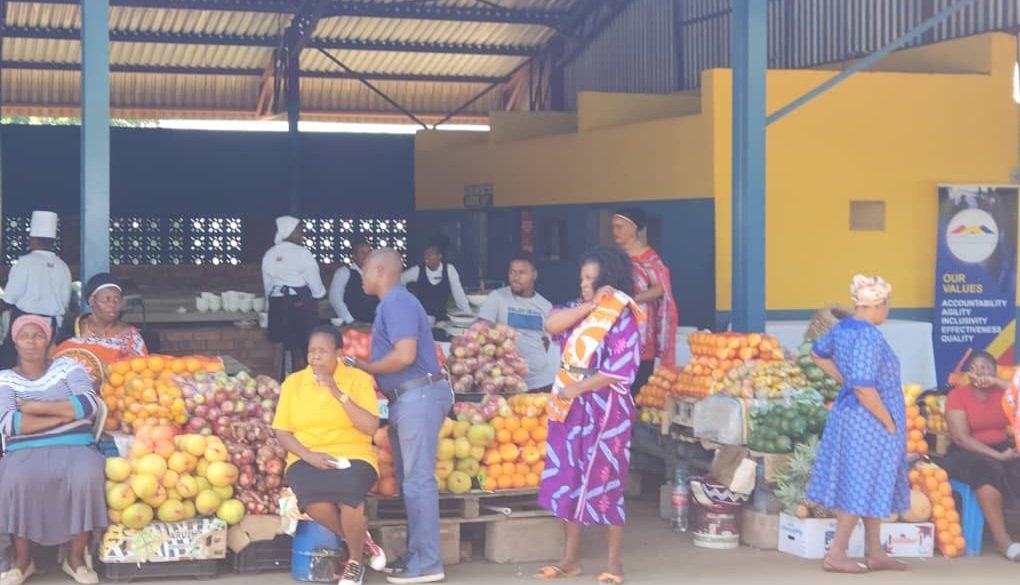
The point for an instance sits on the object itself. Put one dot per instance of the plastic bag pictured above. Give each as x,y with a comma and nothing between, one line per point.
720,419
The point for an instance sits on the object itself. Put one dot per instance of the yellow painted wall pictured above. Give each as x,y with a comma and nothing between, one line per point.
877,136
659,159
888,136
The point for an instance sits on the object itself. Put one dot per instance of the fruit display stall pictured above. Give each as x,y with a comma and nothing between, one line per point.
191,454
742,389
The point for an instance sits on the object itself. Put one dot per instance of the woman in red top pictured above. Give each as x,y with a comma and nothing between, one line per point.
982,455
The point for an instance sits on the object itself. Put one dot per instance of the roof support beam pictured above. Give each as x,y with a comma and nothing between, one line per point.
122,36
550,18
253,72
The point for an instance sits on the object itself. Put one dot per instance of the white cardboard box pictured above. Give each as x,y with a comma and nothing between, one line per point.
909,540
811,538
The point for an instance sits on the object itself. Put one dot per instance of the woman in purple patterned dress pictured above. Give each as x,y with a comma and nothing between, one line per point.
588,453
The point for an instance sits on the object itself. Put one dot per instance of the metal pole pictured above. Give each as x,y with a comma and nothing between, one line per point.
375,89
95,138
871,59
293,89
749,53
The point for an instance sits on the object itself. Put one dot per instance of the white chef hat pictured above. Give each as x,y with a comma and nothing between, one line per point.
285,226
44,225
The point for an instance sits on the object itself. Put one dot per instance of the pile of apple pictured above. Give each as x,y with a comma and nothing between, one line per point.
213,402
261,460
172,479
485,359
459,457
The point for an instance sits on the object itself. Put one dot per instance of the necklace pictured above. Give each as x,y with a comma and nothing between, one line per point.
96,331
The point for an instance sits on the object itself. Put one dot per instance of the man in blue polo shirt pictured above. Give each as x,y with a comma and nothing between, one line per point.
407,371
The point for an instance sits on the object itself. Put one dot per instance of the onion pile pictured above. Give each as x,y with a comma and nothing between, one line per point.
485,360
261,459
215,401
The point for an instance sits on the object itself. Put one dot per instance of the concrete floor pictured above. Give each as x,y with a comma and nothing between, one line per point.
655,555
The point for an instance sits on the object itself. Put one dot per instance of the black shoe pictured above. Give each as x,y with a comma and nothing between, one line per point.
354,574
397,566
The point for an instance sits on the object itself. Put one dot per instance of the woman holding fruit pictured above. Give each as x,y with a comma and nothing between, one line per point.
861,467
983,455
51,475
326,418
100,338
588,440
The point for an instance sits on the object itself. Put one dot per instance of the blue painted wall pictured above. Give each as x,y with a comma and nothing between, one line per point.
683,237
168,172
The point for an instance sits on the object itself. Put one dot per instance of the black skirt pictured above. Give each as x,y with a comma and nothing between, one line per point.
977,470
349,487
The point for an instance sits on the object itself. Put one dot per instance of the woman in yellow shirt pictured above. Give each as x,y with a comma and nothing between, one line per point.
325,419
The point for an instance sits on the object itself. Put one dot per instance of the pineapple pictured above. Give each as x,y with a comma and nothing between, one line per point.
792,482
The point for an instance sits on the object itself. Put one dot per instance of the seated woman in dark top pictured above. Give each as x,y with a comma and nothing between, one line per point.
983,454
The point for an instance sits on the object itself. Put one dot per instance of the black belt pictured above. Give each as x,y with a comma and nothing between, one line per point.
415,384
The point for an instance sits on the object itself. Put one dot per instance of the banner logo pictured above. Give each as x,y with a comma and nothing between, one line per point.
972,235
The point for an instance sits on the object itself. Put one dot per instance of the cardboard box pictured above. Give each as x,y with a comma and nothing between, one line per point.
161,542
759,530
253,529
811,538
909,540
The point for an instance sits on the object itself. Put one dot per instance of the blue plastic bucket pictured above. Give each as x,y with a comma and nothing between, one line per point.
317,555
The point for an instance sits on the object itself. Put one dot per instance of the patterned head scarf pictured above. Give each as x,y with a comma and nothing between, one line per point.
869,291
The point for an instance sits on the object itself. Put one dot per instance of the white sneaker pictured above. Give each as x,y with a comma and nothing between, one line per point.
354,574
374,555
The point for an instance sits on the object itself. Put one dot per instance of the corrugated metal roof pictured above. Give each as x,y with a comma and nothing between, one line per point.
239,44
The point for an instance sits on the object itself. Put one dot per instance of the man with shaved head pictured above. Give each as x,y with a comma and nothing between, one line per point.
407,371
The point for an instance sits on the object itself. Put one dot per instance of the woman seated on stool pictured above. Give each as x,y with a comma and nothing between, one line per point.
325,419
51,477
982,454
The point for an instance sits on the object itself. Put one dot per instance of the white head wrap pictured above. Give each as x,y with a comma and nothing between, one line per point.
869,291
285,226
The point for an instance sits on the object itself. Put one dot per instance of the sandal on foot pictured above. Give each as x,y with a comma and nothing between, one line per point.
82,575
852,567
610,579
886,564
553,572
1013,552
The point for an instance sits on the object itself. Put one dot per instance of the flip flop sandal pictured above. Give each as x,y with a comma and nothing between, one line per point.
553,572
858,568
886,565
1013,552
610,579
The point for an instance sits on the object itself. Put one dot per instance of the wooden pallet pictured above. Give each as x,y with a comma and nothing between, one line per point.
475,506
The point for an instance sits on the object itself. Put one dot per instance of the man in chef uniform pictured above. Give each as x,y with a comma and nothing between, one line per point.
39,282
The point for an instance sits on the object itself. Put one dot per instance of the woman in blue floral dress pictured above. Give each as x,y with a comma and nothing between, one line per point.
861,468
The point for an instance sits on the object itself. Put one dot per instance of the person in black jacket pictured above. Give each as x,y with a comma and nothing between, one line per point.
436,281
346,294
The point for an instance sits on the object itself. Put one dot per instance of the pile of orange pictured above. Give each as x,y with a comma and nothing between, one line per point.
386,485
916,441
652,397
713,355
141,391
517,459
933,481
528,405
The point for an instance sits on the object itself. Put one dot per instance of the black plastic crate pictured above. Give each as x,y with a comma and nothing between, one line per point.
125,572
260,557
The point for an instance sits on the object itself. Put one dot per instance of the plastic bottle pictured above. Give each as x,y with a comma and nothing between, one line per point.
680,498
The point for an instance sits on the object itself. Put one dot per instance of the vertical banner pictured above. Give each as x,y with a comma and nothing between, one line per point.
975,274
